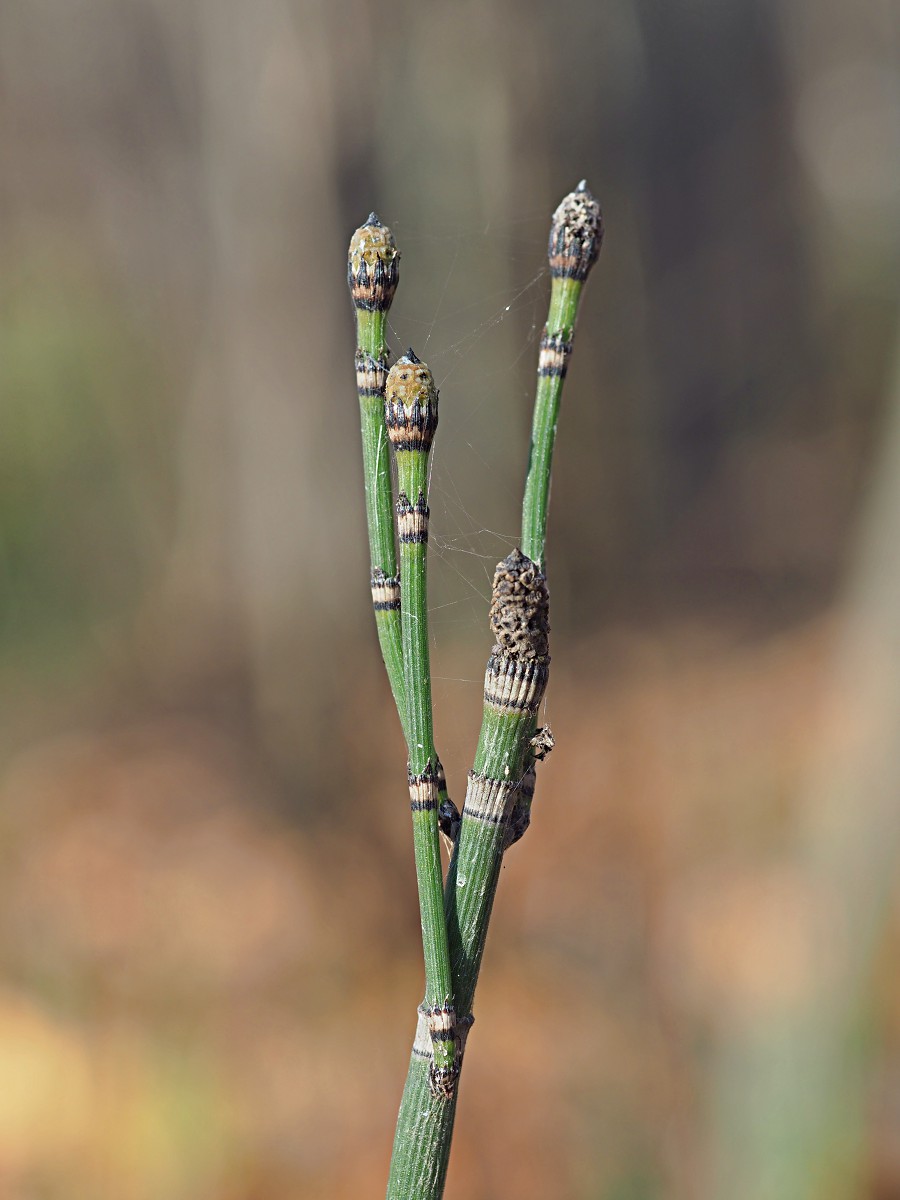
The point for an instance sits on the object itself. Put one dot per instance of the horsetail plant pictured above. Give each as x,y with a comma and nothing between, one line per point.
501,784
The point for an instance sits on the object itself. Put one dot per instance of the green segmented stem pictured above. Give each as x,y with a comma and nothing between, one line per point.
376,455
411,418
373,246
564,296
513,688
414,620
475,868
514,684
576,234
505,743
372,275
423,1136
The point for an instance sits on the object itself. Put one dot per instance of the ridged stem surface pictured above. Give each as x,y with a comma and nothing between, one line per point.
411,418
371,371
564,296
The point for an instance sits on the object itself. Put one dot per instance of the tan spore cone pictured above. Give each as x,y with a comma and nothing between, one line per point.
520,609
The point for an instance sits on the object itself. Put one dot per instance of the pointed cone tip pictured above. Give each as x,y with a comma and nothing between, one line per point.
373,219
516,559
412,357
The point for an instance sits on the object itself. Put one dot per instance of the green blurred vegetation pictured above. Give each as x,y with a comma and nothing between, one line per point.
81,471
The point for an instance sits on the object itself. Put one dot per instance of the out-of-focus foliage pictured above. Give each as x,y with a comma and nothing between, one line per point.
208,932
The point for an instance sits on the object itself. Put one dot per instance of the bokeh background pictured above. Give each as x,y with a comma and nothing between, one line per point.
208,930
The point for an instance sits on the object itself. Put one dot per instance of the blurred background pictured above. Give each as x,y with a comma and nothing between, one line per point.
206,880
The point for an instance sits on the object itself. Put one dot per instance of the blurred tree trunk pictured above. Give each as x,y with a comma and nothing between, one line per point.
261,442
790,1088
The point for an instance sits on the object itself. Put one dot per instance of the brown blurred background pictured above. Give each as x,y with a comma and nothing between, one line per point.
208,931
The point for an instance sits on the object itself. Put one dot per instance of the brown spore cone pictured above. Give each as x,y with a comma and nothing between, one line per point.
576,234
520,608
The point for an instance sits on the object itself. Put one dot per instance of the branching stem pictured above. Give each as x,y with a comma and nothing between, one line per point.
502,780
372,275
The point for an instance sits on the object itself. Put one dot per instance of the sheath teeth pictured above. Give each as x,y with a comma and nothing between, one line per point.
412,519
371,376
440,1022
553,359
410,428
488,800
423,791
514,686
442,1080
385,592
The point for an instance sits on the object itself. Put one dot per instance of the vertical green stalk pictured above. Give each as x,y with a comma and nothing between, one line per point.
575,237
373,271
576,234
514,685
500,785
411,416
